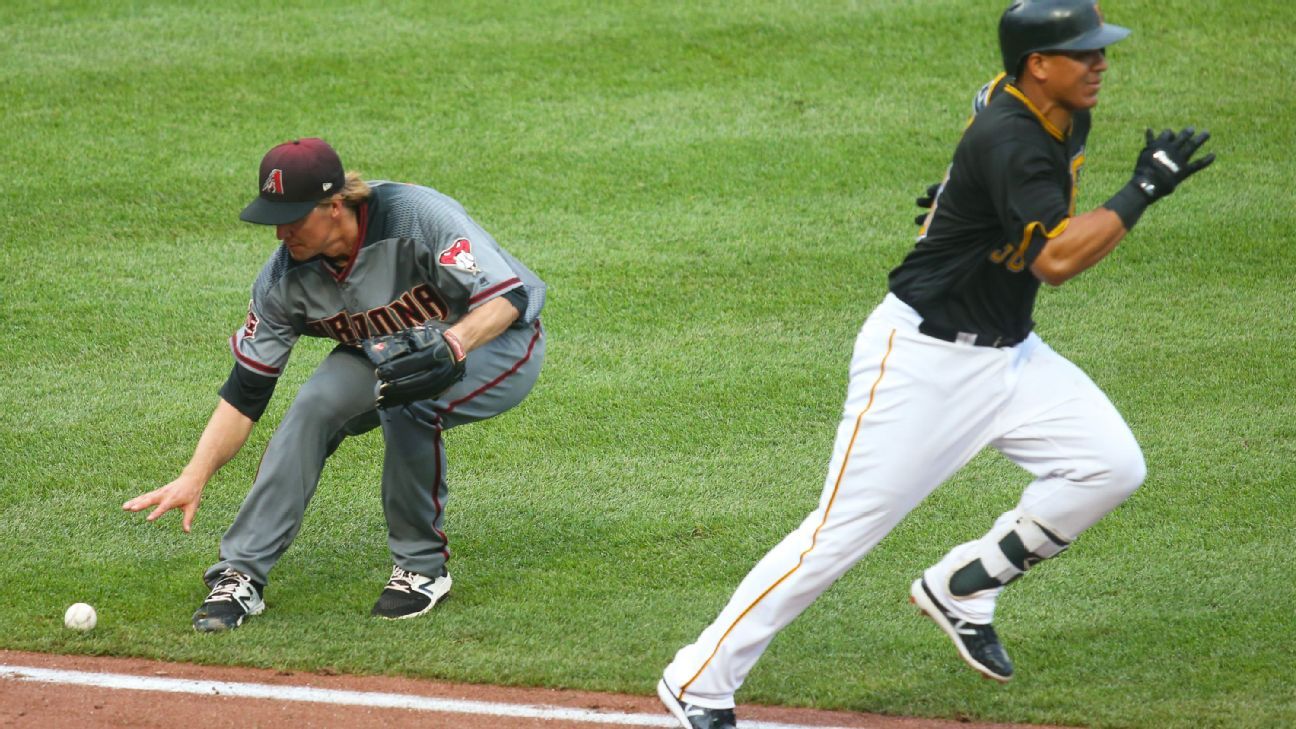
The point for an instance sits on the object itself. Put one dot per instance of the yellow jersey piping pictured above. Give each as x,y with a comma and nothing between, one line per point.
1049,126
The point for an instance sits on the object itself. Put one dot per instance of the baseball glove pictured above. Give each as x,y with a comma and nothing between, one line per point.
415,364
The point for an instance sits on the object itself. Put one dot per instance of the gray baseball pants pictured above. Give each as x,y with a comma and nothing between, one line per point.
338,401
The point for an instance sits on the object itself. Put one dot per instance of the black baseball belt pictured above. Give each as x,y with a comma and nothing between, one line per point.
974,338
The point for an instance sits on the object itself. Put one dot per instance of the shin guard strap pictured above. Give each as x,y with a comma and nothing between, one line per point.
1027,544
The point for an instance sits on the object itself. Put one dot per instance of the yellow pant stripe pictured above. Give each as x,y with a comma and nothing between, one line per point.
814,539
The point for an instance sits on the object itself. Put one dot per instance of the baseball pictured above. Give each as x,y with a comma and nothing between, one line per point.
80,616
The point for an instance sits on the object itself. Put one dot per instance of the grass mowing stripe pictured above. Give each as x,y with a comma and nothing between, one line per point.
715,194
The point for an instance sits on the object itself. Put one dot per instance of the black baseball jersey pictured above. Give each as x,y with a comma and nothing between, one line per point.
1010,188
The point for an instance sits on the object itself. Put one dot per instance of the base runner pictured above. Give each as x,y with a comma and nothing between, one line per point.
948,364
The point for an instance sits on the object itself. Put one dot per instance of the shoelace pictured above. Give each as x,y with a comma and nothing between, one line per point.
401,581
226,587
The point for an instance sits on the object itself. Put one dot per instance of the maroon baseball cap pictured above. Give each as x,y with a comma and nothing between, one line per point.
294,177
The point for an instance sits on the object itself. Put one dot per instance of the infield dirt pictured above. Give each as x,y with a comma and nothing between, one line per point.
34,704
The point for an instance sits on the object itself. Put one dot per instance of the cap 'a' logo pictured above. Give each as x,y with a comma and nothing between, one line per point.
459,255
273,182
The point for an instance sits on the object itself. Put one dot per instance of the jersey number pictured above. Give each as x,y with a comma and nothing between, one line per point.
1012,255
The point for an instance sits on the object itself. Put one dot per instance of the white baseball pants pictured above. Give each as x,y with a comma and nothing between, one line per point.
917,410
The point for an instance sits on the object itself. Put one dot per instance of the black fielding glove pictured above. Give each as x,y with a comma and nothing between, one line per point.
926,201
1165,162
415,364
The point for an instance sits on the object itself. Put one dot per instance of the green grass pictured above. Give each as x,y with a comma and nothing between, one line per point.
715,193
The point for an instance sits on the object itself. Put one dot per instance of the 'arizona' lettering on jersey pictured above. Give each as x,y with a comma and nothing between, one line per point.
414,263
414,307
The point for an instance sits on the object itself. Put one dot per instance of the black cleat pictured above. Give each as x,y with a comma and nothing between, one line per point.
234,597
409,594
977,644
695,717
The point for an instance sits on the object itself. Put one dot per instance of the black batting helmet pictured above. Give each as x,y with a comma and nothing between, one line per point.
1037,26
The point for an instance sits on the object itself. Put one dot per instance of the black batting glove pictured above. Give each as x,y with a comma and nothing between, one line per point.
1166,161
926,201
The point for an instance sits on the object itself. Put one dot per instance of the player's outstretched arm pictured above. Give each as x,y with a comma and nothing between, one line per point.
221,440
1163,164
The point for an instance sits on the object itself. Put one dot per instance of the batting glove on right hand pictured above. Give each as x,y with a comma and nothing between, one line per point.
1166,161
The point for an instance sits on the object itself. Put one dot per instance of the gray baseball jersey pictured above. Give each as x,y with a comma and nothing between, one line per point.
419,257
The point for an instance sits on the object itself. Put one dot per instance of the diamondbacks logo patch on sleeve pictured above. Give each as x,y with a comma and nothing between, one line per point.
459,255
250,327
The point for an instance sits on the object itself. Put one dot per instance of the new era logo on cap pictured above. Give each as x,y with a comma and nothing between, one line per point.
294,176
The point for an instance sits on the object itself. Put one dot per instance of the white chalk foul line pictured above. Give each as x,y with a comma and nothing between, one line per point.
348,698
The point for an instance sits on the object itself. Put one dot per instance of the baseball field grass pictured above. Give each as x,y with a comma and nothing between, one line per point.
715,193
